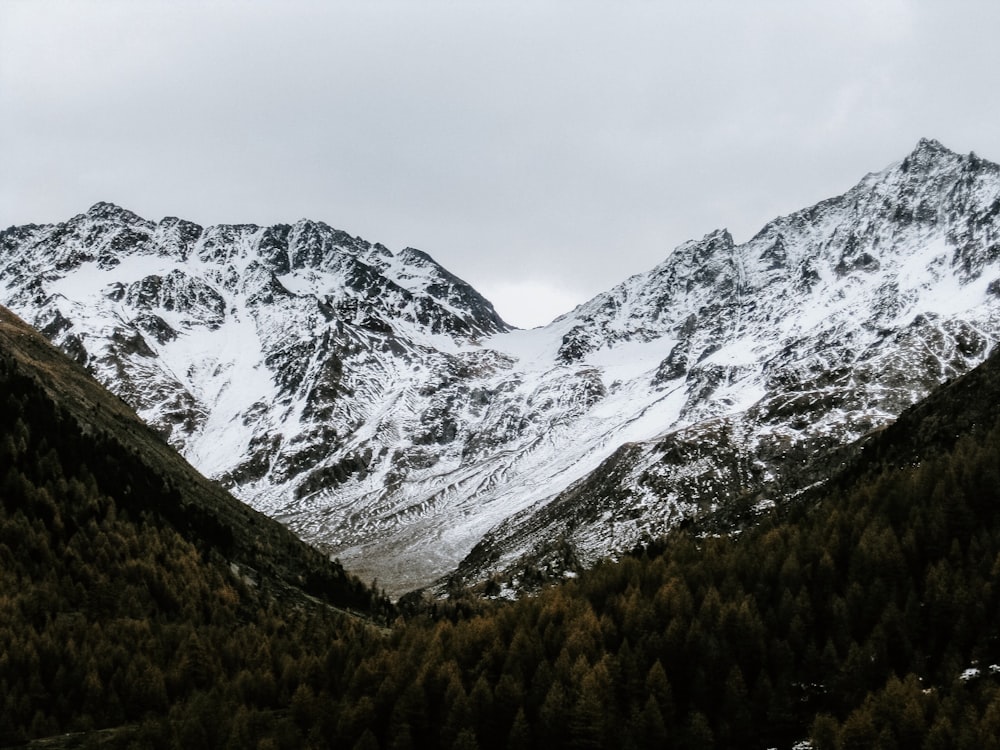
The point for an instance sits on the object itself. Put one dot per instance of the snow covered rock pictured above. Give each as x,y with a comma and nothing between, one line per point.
380,407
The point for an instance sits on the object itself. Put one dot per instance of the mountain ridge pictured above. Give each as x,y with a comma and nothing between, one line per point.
912,335
384,412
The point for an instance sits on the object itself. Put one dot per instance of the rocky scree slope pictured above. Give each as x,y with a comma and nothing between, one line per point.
380,407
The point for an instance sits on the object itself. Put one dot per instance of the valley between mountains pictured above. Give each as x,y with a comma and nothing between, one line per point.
381,408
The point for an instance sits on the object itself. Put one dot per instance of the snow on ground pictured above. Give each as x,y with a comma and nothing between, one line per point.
225,369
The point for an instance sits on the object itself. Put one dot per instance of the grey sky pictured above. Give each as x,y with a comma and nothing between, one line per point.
541,150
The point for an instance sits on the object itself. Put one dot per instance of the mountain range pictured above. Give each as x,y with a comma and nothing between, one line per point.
381,408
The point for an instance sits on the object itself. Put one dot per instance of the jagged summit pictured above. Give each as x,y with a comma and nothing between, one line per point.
379,405
927,155
108,210
110,234
930,148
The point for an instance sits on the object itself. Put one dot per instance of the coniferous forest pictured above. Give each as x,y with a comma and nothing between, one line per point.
863,614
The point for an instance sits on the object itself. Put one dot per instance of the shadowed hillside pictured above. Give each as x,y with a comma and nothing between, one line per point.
129,584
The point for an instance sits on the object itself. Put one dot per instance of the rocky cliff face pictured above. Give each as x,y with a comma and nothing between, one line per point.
380,407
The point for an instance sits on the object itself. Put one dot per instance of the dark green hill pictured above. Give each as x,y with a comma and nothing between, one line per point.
129,584
78,419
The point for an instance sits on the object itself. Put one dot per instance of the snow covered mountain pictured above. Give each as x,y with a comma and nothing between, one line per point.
770,354
380,407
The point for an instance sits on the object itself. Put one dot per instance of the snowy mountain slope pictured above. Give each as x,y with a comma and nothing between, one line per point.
380,407
822,327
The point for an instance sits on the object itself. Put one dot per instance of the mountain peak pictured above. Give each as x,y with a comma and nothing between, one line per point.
416,257
931,145
719,234
719,238
106,210
928,152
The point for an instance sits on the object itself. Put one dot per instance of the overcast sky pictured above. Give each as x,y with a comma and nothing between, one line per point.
543,151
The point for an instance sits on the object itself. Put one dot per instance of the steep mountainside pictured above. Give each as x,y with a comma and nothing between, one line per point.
821,328
284,361
863,615
380,407
137,597
82,426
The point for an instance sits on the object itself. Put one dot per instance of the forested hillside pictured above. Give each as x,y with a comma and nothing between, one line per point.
866,615
132,588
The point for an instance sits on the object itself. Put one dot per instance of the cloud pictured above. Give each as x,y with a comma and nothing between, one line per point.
530,302
578,142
